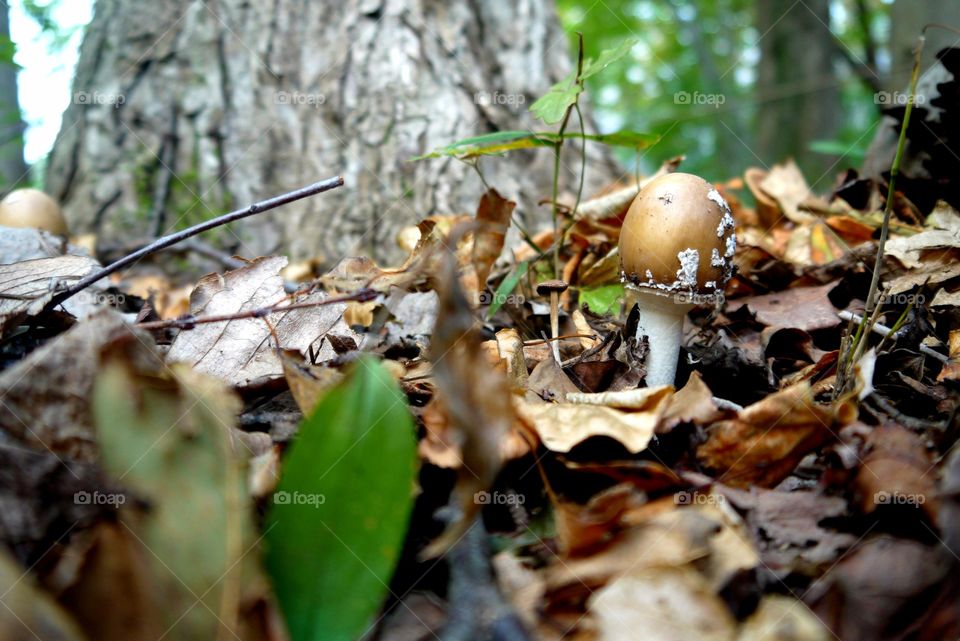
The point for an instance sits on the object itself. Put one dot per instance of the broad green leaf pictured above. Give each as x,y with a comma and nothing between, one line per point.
604,299
606,58
507,285
504,141
489,144
551,107
166,440
339,516
624,138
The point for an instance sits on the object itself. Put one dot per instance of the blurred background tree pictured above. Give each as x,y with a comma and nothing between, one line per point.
797,79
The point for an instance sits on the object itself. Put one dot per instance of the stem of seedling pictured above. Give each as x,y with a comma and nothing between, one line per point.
557,147
857,346
891,187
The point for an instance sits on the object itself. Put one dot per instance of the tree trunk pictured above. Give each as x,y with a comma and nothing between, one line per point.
13,169
797,67
183,110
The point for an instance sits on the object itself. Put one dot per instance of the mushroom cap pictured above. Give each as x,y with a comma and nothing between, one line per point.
549,286
32,208
678,236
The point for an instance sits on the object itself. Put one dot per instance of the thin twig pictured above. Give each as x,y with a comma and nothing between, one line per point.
173,239
189,321
883,330
541,341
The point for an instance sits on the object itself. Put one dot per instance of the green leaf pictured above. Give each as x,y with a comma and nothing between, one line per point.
504,141
606,58
553,105
604,299
339,516
507,285
625,138
489,144
167,441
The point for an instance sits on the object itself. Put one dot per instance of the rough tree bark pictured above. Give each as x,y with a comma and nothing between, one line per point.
184,109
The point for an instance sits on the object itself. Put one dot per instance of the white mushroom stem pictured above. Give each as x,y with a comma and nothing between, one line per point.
661,321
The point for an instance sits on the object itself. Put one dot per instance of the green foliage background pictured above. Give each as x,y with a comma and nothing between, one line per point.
710,47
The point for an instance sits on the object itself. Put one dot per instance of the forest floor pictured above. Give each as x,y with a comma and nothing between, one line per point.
401,453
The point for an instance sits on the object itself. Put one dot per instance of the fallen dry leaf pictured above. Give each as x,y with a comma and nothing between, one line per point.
562,426
912,251
791,529
781,618
476,400
414,315
881,590
308,383
510,349
547,382
617,533
666,604
638,399
46,404
765,442
493,216
243,352
114,568
806,308
26,287
896,473
693,403
787,186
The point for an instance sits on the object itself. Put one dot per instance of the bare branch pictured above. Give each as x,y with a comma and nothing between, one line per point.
173,239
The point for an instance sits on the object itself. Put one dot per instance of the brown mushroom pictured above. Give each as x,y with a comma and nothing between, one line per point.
676,251
32,208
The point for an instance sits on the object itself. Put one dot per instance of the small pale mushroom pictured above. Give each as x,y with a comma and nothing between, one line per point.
32,208
554,288
676,251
